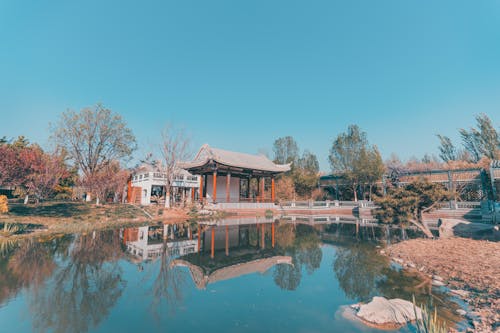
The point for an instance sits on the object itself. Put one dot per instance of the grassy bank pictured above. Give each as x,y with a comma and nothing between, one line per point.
78,216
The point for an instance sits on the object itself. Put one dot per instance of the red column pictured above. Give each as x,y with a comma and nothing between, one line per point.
129,190
214,193
228,186
273,190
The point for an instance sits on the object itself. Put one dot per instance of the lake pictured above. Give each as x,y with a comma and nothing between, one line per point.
233,275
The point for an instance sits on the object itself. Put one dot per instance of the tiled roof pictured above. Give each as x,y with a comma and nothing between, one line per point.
225,273
207,154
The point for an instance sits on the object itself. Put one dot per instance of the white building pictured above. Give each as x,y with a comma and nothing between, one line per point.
147,186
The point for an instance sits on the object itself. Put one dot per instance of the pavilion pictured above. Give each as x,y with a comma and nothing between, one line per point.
234,171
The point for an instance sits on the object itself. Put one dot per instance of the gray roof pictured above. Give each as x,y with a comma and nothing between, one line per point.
207,154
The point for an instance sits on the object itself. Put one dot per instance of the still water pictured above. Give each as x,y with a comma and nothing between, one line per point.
234,275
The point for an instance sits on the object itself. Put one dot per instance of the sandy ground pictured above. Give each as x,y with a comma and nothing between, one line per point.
463,264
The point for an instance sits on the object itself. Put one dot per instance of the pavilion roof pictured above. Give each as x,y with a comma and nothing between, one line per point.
225,273
208,154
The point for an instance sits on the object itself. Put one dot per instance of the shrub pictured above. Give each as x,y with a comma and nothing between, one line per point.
4,206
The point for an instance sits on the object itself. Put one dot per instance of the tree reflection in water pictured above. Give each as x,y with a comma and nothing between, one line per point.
302,243
84,288
168,283
358,269
28,263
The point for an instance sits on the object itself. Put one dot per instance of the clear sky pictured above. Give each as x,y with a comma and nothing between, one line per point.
238,74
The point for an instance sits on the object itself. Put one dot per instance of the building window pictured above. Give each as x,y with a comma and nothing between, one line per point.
145,192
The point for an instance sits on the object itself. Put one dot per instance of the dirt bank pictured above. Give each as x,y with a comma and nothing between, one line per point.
464,264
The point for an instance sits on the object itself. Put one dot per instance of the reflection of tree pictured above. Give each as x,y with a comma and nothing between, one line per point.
287,277
302,243
358,269
167,284
27,264
83,289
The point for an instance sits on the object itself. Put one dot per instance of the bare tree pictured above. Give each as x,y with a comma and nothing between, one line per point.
94,138
174,148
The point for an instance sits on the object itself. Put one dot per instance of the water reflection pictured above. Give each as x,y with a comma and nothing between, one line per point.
73,281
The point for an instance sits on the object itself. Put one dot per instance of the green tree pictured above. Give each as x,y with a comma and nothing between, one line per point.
481,141
285,150
447,150
352,157
408,204
94,138
369,167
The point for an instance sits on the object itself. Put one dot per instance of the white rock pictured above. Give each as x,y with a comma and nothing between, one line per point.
438,283
459,292
461,312
383,312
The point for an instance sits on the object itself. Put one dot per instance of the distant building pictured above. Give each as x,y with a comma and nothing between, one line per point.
147,185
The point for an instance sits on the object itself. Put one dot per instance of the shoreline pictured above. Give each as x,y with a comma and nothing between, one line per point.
469,268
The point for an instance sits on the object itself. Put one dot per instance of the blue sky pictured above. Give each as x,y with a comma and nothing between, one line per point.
238,74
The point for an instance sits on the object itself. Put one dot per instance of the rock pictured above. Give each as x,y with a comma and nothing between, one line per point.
438,283
461,312
437,277
454,227
384,313
459,292
355,306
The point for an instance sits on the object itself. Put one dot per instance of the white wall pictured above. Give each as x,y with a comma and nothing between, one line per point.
234,189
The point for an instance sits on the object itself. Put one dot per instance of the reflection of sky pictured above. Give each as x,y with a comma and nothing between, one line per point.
248,303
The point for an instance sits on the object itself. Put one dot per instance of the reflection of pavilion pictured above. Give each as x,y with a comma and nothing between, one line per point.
232,248
147,243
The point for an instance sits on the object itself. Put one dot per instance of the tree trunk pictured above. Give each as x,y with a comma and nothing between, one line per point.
97,201
26,199
167,200
423,227
370,195
355,193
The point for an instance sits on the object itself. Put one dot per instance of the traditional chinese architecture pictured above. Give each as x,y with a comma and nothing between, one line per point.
232,248
227,176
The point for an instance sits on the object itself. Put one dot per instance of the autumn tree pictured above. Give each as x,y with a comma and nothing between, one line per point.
4,206
408,204
94,138
305,174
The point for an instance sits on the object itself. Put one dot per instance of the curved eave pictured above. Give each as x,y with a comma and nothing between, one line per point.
192,166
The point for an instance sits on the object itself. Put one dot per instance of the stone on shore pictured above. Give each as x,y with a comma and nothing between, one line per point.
383,313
